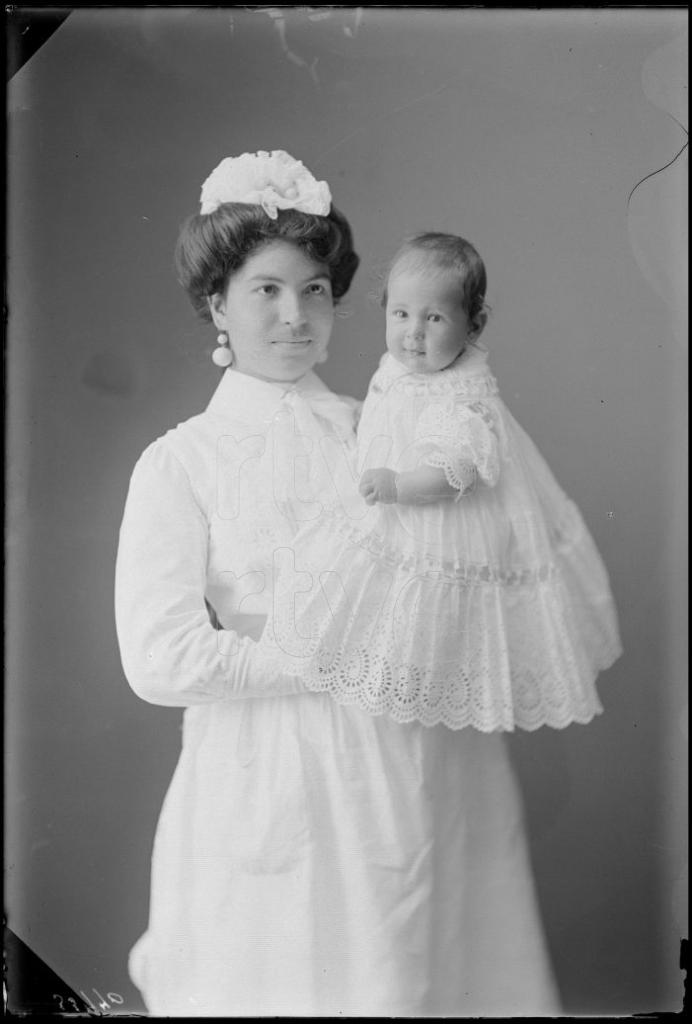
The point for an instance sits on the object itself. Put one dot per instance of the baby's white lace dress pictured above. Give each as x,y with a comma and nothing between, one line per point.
491,610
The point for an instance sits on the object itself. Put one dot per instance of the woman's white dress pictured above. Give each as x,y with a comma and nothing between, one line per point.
311,859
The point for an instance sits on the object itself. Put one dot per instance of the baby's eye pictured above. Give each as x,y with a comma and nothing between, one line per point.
399,314
435,318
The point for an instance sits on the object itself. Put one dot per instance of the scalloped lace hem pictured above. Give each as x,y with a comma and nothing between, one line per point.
407,696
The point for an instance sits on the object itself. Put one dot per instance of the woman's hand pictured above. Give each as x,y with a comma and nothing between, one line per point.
379,485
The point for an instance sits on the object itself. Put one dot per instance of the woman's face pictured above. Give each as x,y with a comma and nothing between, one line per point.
278,311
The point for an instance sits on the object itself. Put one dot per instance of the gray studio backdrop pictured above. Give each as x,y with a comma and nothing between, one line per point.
523,130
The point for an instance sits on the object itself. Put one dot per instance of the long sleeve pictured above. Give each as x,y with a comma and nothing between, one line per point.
171,652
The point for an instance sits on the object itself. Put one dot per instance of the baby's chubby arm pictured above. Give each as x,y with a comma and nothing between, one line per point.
420,486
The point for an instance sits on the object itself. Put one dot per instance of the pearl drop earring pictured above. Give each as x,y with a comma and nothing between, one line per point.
222,355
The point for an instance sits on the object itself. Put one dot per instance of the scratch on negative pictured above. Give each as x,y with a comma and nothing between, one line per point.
389,113
665,167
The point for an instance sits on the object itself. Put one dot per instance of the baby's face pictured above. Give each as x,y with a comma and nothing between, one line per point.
426,325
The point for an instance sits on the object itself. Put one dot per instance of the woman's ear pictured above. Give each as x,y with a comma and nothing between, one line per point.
217,308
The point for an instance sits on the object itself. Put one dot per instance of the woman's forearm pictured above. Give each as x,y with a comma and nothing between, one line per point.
172,653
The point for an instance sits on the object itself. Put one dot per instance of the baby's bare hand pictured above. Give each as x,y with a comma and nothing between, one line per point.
378,485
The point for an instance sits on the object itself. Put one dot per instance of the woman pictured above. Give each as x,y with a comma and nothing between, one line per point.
310,859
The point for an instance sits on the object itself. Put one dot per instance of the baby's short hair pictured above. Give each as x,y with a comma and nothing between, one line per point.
213,246
447,252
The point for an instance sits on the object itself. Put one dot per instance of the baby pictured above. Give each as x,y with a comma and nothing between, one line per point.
457,584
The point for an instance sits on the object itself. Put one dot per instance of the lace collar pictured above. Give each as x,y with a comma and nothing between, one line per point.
468,375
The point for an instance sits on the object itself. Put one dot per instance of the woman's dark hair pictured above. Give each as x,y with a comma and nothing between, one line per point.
448,252
213,246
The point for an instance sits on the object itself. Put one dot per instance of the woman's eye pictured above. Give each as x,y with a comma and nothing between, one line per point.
267,289
317,289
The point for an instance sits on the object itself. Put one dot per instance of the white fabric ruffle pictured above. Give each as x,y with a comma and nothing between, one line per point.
493,611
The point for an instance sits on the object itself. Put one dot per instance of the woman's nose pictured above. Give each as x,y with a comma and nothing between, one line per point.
292,311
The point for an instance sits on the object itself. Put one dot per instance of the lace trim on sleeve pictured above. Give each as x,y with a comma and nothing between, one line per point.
461,439
460,475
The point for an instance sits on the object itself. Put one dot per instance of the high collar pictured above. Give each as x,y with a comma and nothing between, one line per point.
315,409
240,396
